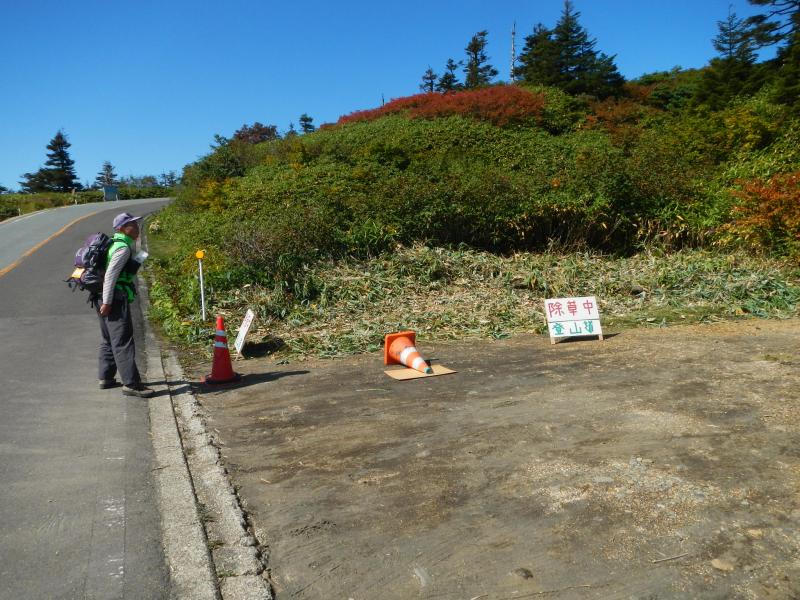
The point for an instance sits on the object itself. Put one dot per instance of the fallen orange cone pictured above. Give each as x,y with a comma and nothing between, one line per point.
399,349
221,368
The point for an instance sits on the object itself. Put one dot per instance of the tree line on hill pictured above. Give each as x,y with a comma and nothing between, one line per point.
258,132
565,56
58,174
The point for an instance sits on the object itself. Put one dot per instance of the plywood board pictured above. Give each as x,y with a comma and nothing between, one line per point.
404,374
572,317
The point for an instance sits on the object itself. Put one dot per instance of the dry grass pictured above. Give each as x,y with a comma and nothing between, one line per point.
460,294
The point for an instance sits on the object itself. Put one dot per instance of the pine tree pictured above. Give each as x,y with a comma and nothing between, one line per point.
448,82
58,174
565,57
731,73
106,176
734,40
61,165
291,132
477,70
306,123
429,79
538,62
780,25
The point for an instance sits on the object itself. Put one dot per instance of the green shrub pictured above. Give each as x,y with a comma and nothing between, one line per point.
271,210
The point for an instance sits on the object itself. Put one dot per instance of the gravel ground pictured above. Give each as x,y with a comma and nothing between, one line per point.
659,463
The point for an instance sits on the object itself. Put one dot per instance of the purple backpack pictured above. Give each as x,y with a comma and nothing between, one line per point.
90,265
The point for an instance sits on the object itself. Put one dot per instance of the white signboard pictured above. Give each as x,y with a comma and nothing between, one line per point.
572,317
248,320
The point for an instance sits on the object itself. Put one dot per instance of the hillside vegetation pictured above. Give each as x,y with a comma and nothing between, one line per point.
473,200
505,169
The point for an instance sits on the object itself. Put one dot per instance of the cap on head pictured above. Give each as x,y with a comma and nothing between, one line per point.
123,219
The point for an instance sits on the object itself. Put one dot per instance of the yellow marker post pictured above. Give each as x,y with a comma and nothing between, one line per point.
200,255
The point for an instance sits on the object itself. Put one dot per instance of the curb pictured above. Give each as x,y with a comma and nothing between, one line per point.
209,551
184,540
235,553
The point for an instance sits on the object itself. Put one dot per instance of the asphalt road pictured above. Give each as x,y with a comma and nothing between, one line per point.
78,513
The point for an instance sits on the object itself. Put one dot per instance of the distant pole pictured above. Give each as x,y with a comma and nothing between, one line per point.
200,254
513,51
382,100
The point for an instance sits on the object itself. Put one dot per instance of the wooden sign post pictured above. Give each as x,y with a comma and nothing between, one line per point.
572,317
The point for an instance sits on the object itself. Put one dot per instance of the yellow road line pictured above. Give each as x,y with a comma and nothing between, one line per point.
43,242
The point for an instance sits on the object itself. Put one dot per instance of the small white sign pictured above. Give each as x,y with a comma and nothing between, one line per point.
248,320
572,317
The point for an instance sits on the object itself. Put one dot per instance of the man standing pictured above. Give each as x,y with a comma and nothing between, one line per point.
117,350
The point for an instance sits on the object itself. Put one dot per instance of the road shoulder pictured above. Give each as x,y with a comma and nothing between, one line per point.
208,549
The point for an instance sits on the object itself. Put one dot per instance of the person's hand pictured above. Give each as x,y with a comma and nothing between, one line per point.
105,309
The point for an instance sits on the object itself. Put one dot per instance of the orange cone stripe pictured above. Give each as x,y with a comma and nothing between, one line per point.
411,357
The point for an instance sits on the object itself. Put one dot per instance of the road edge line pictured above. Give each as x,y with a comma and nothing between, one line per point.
16,263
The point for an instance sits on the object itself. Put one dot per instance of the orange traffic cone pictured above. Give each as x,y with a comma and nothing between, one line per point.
221,368
399,349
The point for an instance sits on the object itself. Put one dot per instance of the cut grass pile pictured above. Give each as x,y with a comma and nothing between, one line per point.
466,294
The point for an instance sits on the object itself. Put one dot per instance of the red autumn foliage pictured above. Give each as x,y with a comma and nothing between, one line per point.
614,113
500,105
639,92
769,212
619,117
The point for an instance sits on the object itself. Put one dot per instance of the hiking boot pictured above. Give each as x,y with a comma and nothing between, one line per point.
104,384
138,389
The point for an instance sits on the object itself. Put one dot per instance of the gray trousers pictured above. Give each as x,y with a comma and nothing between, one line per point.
117,349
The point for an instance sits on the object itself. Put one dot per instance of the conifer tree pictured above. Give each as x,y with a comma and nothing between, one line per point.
735,40
787,78
477,70
565,57
106,176
58,174
538,62
448,82
429,79
780,25
731,73
306,123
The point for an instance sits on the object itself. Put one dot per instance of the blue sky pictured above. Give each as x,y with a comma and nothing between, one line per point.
147,84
